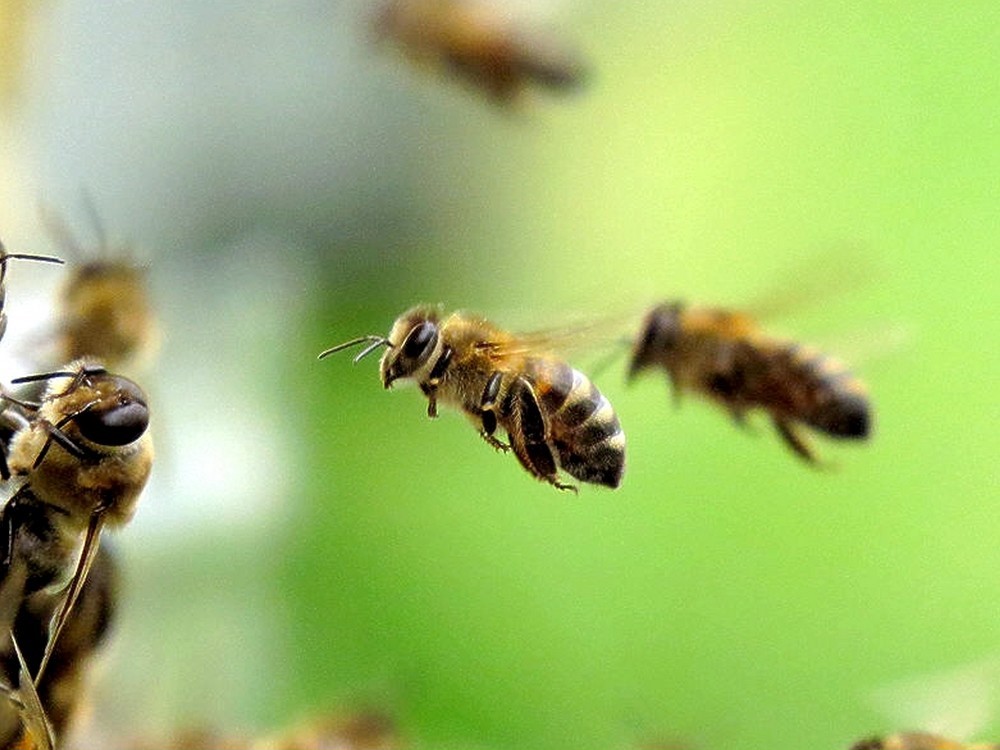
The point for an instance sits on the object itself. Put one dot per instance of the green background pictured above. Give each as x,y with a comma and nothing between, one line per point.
725,595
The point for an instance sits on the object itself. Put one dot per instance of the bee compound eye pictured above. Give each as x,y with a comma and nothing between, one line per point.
420,341
121,424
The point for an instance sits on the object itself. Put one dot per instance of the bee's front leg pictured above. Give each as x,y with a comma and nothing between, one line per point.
432,404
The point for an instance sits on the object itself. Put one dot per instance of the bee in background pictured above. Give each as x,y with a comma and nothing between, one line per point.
555,418
726,357
82,456
919,741
360,731
105,307
478,42
366,730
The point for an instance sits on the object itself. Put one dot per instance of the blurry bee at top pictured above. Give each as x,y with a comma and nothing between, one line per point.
354,731
105,310
724,356
478,42
555,418
919,741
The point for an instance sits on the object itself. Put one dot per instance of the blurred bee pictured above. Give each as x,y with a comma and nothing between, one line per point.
105,307
82,456
555,418
919,741
360,731
357,731
475,41
726,357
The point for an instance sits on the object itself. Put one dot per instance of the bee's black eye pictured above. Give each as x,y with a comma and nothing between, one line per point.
421,341
119,423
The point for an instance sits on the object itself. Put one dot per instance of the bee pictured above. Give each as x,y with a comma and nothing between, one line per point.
725,356
360,731
919,741
81,458
58,696
105,307
476,42
366,730
555,418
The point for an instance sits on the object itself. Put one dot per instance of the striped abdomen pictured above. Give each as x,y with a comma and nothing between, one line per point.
583,429
801,384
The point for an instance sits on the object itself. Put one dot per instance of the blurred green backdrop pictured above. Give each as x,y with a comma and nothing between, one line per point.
725,596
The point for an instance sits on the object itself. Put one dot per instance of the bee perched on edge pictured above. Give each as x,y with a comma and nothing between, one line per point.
918,741
477,41
555,418
82,457
726,357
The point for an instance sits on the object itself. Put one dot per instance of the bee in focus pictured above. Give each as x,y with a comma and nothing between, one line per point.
555,418
476,41
105,307
80,459
726,357
919,741
59,695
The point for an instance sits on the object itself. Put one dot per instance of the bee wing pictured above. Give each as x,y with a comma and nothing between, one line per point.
91,544
590,335
814,281
29,705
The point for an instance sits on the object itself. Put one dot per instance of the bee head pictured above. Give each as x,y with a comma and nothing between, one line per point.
413,342
658,338
118,416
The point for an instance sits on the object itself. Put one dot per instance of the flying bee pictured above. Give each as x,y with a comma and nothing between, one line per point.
105,307
475,41
725,356
555,418
83,457
919,741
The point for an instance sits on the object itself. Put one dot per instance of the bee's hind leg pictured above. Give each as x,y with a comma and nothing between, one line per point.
793,440
527,434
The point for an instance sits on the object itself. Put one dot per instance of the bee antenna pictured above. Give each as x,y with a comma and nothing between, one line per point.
5,256
374,342
81,373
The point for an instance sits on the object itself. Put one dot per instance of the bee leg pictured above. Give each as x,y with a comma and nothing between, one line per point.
527,434
432,404
488,415
56,435
793,440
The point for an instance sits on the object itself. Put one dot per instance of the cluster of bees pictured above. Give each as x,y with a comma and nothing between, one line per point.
77,452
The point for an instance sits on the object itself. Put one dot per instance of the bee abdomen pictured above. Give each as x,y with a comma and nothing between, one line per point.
835,401
584,429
